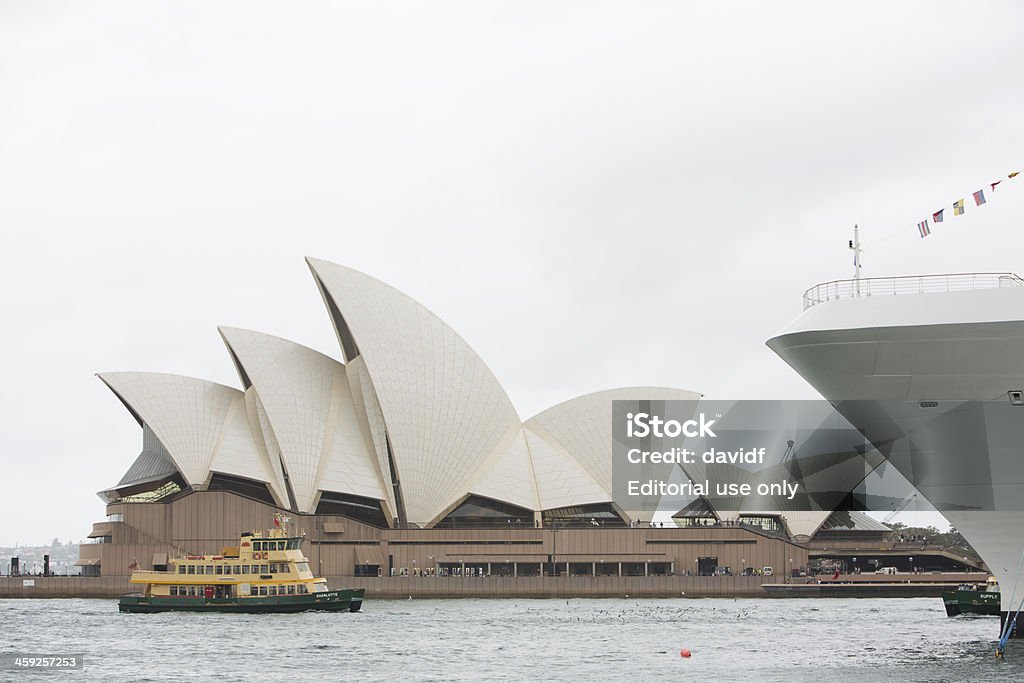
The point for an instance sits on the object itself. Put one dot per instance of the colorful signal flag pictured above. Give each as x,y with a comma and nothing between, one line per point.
958,207
923,228
979,197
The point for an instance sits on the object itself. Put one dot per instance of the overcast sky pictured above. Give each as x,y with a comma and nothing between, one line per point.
594,194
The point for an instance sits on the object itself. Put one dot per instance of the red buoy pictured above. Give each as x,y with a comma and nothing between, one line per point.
685,653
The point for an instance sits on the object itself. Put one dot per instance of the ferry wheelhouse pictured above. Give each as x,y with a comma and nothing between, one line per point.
266,572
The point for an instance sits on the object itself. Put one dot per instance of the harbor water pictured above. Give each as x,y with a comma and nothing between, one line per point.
473,640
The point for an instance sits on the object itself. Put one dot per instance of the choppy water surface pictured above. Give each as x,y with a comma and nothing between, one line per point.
605,640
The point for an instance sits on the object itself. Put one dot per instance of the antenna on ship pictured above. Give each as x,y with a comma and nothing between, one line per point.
855,246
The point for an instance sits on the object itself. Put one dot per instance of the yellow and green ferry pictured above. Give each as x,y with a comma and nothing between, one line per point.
266,572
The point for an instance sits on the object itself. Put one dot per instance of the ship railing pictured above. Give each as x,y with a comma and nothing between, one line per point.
907,284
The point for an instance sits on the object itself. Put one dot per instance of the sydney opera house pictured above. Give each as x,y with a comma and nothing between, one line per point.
404,458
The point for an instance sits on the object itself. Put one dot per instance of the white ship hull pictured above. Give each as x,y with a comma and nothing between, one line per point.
913,364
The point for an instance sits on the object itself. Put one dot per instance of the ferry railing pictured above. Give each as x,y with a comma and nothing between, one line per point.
907,284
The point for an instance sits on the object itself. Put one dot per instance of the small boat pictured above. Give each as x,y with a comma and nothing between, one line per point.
973,599
266,572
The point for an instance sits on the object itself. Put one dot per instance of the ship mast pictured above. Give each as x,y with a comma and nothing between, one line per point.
855,246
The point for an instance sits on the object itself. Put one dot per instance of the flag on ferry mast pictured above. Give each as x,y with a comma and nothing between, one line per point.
958,208
1013,175
979,197
922,227
993,185
937,216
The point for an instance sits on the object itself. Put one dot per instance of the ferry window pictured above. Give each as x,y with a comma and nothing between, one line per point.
273,568
281,545
174,590
253,590
218,570
181,569
245,569
264,569
236,569
302,588
209,569
273,590
291,590
263,590
191,590
302,566
257,545
191,569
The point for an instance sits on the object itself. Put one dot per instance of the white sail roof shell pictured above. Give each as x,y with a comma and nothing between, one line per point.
446,413
309,408
561,480
582,426
240,453
509,475
186,414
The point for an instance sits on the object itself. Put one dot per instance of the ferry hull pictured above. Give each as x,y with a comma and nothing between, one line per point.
332,601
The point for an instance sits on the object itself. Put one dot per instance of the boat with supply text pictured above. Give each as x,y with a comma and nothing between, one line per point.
973,598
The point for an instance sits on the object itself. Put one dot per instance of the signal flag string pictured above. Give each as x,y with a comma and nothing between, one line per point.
924,228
